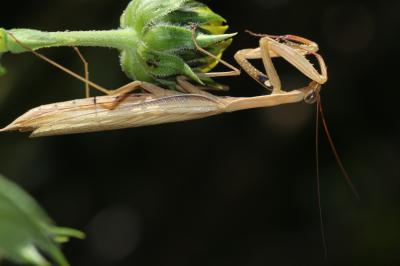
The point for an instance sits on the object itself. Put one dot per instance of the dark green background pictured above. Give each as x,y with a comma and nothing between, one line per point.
237,189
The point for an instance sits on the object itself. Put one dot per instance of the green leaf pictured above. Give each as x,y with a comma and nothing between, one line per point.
25,228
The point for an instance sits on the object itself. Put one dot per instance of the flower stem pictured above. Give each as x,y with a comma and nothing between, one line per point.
34,39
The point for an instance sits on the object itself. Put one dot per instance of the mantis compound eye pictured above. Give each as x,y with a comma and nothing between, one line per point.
312,96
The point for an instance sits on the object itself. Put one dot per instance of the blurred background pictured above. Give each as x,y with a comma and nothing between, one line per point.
236,189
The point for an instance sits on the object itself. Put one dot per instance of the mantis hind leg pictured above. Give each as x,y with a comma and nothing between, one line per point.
124,91
185,86
57,65
86,67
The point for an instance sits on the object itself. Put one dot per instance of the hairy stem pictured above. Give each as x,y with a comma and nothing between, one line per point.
34,39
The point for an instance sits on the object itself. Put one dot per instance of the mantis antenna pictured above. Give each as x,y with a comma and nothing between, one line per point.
320,113
333,148
293,49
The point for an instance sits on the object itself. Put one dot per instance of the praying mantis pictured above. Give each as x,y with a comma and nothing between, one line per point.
121,109
144,103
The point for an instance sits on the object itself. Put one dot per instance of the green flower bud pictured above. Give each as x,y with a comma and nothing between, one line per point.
154,38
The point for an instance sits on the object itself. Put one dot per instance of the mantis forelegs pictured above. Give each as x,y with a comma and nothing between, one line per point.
269,66
294,51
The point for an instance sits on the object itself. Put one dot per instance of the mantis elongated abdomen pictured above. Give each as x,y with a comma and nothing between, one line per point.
136,110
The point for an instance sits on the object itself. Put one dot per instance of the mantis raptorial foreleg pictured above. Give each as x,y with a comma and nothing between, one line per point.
274,79
294,51
301,44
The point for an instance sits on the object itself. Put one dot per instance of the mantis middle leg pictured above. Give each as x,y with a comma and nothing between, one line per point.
234,70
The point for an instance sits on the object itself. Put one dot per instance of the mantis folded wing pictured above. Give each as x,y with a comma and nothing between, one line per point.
136,110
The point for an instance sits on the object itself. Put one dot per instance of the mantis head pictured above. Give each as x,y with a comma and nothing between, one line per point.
312,95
